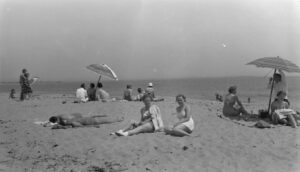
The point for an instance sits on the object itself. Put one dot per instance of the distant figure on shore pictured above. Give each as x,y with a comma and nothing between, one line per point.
101,94
12,94
81,93
150,122
249,100
280,84
185,124
219,97
281,112
232,105
91,92
77,120
140,95
128,93
25,85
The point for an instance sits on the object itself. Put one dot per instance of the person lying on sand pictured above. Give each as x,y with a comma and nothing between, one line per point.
281,112
77,120
185,125
150,120
232,105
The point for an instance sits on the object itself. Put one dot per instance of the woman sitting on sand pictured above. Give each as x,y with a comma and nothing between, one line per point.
77,120
185,125
150,120
232,105
280,112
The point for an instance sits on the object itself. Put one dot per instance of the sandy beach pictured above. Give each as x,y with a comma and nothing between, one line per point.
217,144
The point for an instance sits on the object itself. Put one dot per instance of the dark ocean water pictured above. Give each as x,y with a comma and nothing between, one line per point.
203,88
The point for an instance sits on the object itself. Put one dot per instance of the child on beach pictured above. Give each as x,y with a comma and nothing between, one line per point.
77,120
185,125
12,94
150,120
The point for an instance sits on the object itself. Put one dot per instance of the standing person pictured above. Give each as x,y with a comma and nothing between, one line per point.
81,93
25,85
91,92
185,124
150,90
28,90
280,84
101,94
232,104
128,93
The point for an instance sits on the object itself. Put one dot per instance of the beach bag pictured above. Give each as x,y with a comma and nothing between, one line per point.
262,124
263,113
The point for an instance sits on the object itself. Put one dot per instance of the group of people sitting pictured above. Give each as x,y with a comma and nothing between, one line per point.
280,112
94,93
150,121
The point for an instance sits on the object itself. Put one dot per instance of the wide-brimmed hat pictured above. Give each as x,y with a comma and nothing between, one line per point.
150,84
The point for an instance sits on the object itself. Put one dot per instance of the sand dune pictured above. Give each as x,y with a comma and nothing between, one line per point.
216,145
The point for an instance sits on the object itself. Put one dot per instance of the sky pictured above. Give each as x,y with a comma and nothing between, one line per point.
145,39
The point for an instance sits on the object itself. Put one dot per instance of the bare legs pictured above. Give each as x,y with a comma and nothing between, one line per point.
101,120
132,129
179,131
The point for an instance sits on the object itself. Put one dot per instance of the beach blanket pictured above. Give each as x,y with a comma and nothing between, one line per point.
156,118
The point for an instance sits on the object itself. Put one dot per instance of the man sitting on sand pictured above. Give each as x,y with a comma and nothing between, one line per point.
81,93
232,105
77,120
91,92
128,93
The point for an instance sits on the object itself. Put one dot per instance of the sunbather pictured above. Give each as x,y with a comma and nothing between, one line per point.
185,125
232,105
77,120
150,120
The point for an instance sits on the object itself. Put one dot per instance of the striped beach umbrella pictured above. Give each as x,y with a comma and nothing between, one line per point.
103,70
275,63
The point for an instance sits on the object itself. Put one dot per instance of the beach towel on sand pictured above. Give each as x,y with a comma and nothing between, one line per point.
156,118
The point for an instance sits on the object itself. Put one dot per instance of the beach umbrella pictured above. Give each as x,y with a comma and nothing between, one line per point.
103,70
275,63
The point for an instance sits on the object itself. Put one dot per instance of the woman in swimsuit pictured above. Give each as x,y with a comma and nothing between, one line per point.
149,123
232,105
185,124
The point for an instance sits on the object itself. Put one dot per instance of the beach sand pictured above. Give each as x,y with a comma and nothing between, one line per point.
217,144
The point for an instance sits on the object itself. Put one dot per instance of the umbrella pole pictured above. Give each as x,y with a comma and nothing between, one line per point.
271,93
99,79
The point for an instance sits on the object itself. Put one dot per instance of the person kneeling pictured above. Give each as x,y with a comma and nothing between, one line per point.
150,120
